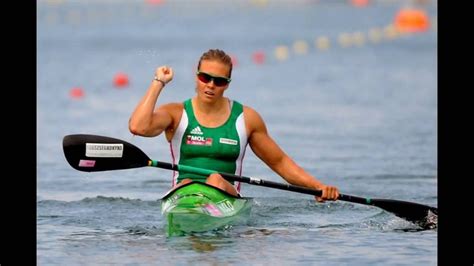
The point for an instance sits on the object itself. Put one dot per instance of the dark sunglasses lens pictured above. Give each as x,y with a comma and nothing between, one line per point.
203,77
220,81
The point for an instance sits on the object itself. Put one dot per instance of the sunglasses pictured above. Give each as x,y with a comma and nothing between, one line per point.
218,81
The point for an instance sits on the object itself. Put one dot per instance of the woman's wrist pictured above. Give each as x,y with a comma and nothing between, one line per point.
159,80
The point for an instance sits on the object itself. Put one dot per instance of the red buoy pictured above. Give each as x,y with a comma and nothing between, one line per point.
121,80
76,93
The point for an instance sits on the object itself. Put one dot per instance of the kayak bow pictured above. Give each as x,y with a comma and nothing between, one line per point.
199,207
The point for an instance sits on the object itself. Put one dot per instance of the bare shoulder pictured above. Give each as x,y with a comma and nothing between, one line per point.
253,120
172,107
250,114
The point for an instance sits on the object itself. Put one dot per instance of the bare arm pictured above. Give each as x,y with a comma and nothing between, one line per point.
145,121
268,151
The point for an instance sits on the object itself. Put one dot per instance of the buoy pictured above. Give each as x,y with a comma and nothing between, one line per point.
76,93
155,2
120,80
359,3
344,39
411,20
322,43
300,47
258,57
358,38
375,35
281,52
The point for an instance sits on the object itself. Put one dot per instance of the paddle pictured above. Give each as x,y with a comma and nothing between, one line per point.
92,153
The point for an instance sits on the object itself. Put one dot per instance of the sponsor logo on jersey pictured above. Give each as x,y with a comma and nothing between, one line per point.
196,131
198,140
228,141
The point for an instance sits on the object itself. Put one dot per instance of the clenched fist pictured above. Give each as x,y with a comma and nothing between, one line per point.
164,73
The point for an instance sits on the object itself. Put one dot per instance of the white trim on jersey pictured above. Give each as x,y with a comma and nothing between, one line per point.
241,130
175,144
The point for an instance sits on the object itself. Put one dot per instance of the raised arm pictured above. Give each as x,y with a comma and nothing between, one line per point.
269,152
145,120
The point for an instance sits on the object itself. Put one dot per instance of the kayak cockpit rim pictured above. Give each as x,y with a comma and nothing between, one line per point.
171,191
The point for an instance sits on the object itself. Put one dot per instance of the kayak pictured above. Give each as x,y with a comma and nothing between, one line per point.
198,207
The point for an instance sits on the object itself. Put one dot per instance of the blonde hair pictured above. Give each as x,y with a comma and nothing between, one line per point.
217,55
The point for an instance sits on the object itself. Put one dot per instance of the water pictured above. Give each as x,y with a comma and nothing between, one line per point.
361,118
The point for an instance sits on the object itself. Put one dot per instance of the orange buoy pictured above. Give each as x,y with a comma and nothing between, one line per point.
411,20
76,93
120,80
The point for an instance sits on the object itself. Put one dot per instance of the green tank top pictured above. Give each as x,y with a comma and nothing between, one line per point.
221,148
